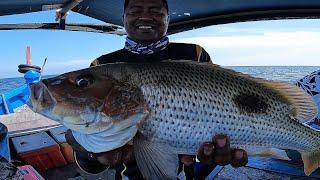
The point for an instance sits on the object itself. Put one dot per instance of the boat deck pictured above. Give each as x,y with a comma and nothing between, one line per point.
25,121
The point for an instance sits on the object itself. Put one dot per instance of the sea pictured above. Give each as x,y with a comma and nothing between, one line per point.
283,73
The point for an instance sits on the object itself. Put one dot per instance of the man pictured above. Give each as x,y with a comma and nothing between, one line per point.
146,23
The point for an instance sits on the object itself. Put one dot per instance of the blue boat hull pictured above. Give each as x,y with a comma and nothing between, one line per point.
14,99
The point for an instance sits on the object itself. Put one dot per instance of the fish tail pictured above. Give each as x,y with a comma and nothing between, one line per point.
311,161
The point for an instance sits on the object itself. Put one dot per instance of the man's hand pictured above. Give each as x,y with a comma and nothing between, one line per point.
216,152
219,152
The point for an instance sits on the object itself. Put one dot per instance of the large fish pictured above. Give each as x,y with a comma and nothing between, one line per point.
177,105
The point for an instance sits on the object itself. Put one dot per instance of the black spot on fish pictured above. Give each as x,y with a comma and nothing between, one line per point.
250,103
312,80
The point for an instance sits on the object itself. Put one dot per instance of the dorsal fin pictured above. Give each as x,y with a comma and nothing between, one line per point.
305,108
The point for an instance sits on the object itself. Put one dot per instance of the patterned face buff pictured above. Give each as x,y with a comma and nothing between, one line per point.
137,48
311,84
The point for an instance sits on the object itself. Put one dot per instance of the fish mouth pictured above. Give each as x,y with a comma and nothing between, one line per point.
41,100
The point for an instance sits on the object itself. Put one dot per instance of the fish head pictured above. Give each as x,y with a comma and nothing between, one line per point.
87,100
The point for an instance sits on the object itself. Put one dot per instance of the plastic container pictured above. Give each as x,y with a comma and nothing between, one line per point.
39,150
29,173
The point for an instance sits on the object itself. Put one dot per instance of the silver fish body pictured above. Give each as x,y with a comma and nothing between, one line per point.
189,103
183,104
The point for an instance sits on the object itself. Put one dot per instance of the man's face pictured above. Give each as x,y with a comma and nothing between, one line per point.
146,20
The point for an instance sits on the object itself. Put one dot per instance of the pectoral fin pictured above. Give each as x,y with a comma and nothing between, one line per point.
311,161
155,161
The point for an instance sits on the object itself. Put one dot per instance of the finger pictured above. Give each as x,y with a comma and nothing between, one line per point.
205,153
115,160
187,160
239,158
223,158
110,158
72,142
128,155
222,154
189,171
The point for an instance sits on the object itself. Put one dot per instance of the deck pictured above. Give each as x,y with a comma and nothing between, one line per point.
25,121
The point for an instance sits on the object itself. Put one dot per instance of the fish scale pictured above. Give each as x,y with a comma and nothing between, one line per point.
189,103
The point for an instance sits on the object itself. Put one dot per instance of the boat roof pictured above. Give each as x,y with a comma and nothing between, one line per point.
184,14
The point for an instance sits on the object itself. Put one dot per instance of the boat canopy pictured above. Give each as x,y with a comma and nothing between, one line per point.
184,14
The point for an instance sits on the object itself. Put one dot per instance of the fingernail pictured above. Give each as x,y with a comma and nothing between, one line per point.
238,155
221,142
207,149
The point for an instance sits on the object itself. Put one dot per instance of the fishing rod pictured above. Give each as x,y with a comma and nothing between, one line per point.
32,73
19,96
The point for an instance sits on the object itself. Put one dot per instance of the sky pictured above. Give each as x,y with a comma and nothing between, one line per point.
262,43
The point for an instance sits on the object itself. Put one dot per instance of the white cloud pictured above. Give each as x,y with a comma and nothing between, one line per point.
59,67
268,48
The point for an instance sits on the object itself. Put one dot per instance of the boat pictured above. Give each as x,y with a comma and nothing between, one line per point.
185,15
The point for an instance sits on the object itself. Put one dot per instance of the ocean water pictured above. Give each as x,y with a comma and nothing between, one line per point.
10,83
283,73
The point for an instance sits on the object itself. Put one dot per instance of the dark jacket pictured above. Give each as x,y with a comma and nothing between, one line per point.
174,51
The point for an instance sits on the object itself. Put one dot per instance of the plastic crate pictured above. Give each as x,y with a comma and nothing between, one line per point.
29,173
39,150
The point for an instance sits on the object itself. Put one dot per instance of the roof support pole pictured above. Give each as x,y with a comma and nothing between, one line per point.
62,12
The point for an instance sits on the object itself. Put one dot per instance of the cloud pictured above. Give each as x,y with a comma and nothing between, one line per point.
59,67
268,48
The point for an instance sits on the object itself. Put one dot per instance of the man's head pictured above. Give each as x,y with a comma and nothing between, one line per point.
146,21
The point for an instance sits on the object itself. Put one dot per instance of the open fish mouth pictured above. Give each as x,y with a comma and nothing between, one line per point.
41,100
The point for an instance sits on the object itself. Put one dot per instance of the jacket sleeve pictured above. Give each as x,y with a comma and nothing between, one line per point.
202,54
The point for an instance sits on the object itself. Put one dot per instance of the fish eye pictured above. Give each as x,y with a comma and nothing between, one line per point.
84,80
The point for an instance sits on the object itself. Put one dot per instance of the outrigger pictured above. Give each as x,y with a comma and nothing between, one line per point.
52,157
